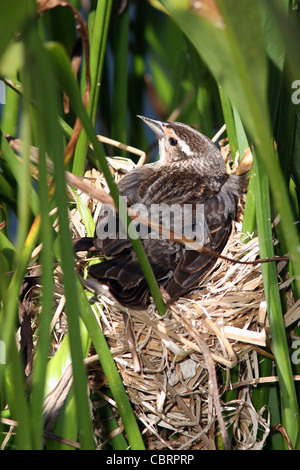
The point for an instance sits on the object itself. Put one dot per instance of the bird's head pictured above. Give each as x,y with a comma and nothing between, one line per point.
183,144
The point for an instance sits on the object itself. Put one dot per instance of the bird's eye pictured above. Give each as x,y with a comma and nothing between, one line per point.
172,141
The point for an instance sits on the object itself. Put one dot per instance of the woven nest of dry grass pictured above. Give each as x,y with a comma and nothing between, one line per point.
163,361
164,369
166,362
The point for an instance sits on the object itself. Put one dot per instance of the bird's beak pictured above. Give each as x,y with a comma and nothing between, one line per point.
155,126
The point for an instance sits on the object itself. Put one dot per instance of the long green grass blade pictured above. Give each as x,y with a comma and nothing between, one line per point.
42,349
120,98
68,83
111,373
98,26
290,411
55,149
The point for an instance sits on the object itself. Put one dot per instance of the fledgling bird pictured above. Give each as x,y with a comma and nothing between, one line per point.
191,173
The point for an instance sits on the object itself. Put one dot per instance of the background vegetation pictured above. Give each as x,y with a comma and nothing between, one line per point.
203,63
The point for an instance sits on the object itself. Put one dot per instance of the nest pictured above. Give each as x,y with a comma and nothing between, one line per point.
165,370
177,369
164,361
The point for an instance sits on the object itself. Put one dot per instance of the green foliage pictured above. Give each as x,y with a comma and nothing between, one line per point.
234,64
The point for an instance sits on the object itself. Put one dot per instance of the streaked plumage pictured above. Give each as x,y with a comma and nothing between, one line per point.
192,171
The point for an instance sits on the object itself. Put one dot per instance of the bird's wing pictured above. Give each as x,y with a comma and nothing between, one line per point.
219,213
129,185
194,265
110,238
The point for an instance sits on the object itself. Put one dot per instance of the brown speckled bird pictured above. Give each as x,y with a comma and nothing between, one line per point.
191,171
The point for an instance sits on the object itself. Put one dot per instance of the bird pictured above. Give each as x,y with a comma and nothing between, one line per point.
190,174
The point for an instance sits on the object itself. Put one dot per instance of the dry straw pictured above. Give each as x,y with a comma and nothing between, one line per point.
166,363
161,360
